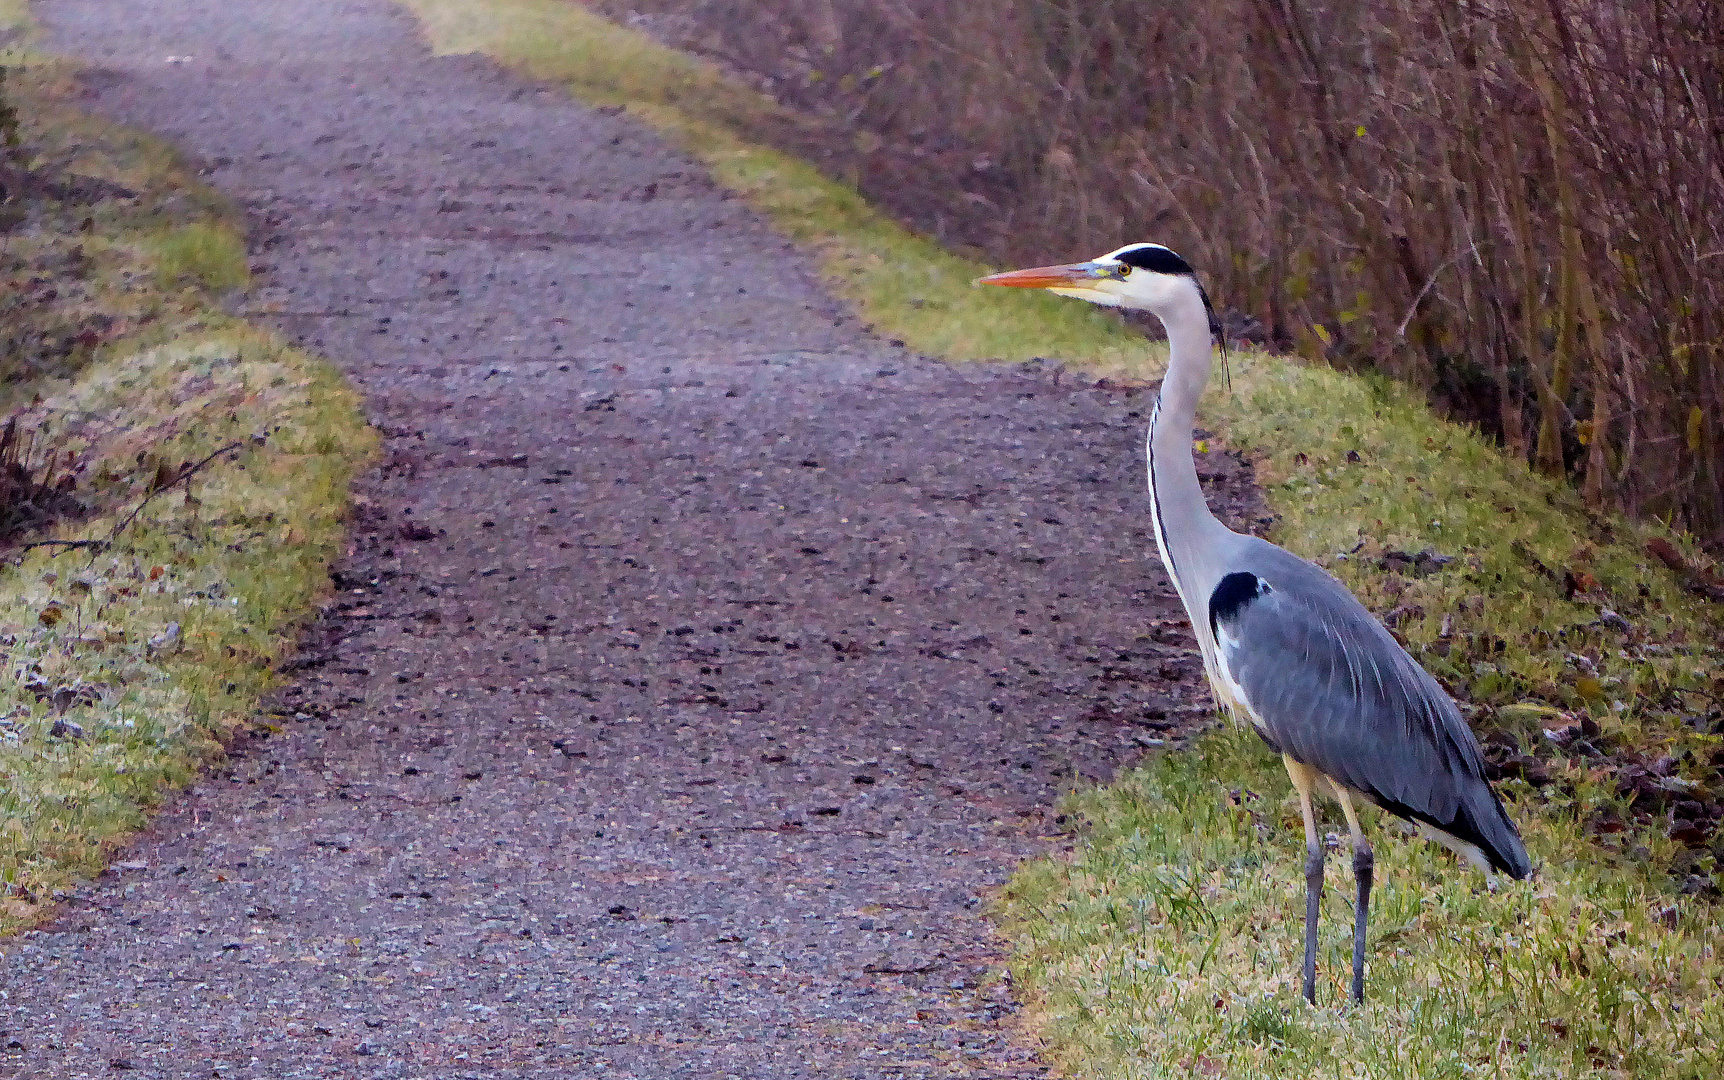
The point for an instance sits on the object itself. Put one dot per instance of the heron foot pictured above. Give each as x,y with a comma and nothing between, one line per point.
1313,893
1364,865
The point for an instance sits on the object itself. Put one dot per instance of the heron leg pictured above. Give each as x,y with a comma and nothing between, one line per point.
1304,779
1364,865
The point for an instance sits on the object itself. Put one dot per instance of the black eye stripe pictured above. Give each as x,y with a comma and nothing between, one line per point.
1155,258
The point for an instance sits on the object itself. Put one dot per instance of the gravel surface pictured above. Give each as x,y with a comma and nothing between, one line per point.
700,661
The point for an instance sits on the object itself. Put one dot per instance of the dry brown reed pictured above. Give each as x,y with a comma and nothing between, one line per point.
1517,205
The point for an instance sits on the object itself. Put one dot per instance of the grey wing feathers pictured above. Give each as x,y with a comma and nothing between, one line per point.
1327,685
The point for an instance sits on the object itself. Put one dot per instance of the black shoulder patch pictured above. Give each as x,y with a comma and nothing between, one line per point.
1230,597
1155,258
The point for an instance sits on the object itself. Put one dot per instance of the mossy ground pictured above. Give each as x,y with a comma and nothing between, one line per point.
1164,944
127,662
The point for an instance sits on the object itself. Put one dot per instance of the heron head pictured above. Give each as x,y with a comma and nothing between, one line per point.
1145,277
1142,277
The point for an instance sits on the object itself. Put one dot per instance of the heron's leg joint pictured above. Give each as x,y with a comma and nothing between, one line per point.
1364,861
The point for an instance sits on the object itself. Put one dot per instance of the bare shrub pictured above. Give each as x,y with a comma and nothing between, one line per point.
1515,204
37,483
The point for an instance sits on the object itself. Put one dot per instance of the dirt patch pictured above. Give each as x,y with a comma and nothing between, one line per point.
700,660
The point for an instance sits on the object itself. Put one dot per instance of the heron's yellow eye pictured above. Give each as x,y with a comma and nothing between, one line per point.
1122,269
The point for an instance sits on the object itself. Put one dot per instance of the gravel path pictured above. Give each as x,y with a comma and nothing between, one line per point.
700,662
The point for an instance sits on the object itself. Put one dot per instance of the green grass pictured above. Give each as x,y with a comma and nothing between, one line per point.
126,666
1169,945
165,640
1164,944
206,254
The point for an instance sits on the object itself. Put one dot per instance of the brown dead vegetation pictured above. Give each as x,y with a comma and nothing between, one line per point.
36,486
1516,205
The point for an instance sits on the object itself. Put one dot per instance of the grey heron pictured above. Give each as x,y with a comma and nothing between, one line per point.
1285,645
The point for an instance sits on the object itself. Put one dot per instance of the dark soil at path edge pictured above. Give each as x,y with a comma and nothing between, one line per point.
700,661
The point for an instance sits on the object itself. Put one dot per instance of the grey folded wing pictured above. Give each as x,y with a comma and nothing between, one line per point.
1327,685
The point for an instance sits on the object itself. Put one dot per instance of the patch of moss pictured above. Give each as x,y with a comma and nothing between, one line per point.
205,254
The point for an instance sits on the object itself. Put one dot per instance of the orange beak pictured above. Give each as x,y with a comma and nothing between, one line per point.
1066,276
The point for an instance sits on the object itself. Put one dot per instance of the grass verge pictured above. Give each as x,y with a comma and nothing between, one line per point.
1169,945
127,661
1587,663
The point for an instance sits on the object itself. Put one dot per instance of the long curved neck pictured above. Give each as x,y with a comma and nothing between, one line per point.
1185,530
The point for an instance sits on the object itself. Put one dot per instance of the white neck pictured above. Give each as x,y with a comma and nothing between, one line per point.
1186,532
